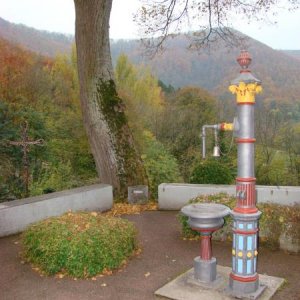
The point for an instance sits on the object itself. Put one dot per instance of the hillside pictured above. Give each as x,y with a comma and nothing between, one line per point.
214,70
279,70
42,42
292,53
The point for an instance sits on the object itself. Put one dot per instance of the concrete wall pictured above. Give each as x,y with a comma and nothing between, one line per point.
16,215
172,196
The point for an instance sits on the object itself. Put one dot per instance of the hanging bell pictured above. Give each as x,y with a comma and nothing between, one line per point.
216,152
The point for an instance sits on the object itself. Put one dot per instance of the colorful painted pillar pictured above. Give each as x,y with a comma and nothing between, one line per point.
244,278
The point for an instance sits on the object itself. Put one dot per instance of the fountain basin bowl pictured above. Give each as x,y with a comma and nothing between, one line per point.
206,216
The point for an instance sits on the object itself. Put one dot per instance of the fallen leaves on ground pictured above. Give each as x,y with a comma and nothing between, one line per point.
107,272
194,238
147,274
39,271
138,251
120,209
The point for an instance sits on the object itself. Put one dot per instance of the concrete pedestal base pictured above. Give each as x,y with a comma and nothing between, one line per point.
205,270
250,290
186,287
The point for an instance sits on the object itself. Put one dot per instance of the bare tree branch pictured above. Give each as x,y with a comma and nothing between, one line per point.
162,19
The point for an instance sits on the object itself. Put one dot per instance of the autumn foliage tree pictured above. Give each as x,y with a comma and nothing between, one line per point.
43,92
145,106
141,93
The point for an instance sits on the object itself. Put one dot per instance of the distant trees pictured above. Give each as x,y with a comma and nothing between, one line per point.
268,122
289,141
44,92
141,93
277,149
144,102
185,112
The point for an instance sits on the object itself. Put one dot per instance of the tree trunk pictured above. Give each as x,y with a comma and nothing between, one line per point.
110,138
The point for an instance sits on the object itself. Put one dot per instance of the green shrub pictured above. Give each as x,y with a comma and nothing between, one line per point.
80,245
211,172
160,165
277,220
274,221
54,178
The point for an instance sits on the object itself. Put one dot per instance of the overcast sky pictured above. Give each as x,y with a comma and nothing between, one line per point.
59,16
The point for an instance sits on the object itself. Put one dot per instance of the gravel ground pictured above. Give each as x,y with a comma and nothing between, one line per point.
164,257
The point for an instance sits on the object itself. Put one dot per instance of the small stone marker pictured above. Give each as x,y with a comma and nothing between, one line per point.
138,194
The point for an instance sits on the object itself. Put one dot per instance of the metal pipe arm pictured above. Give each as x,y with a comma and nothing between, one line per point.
216,127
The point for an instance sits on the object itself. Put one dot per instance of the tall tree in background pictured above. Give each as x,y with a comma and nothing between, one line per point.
117,161
112,145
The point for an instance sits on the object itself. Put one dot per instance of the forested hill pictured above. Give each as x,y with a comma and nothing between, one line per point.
39,41
293,53
279,70
214,70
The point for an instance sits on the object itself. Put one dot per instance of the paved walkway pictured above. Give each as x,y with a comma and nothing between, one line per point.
164,257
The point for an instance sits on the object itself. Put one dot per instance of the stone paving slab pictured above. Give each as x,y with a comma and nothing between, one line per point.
185,287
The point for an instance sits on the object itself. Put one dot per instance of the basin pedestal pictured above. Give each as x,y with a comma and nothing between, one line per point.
205,270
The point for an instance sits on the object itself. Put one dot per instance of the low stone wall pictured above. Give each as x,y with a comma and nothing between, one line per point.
172,196
16,215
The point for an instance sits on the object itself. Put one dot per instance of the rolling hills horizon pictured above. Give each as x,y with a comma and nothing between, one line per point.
279,70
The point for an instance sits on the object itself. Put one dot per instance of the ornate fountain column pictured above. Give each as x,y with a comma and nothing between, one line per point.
244,278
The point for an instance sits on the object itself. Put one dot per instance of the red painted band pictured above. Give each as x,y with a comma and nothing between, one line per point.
248,140
244,279
245,210
245,179
245,71
245,232
248,103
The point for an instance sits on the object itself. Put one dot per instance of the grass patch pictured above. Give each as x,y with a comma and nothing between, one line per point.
274,221
81,245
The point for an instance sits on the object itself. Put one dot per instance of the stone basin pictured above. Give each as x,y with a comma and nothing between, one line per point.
205,216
